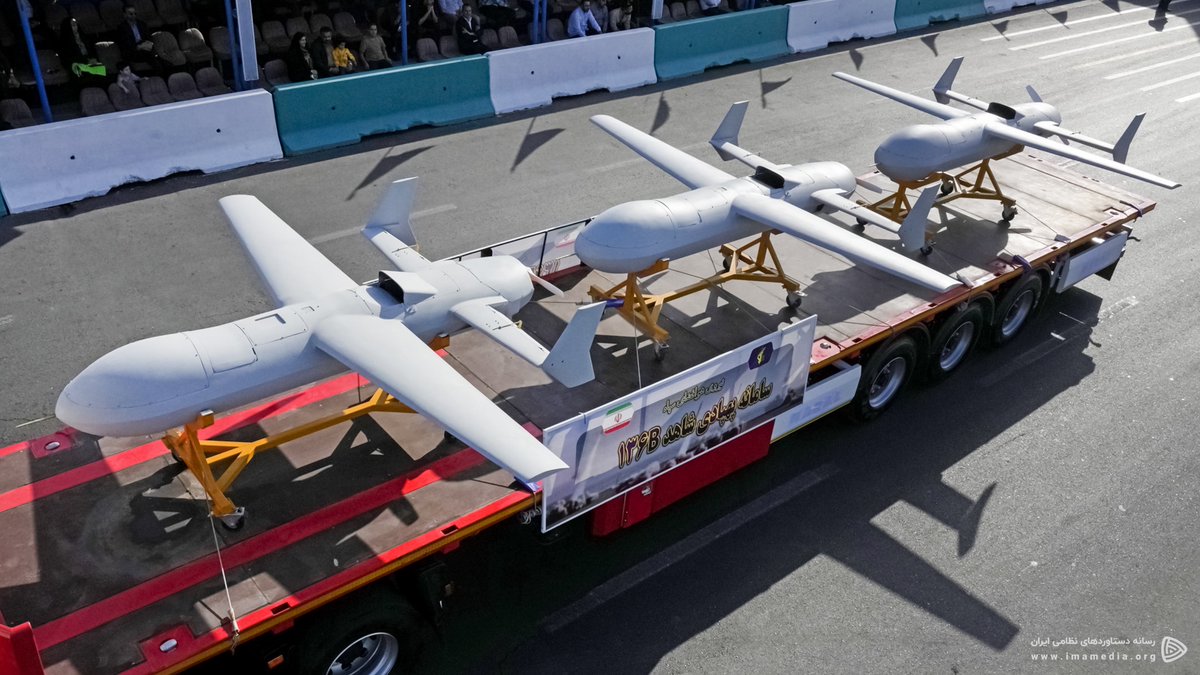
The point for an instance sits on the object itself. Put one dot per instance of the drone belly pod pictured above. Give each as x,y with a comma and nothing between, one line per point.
628,237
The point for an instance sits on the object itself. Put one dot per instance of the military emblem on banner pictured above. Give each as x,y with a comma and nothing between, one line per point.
760,356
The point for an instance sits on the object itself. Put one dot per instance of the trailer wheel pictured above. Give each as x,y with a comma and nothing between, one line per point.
372,634
953,342
884,376
1015,308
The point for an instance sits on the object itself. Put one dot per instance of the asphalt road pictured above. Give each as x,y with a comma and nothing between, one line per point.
1046,491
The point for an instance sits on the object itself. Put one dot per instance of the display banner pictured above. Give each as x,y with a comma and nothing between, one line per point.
619,446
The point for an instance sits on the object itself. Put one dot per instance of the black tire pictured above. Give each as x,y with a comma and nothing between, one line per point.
953,342
375,632
1016,308
886,374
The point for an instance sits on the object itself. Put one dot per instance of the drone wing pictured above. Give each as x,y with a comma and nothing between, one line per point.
1001,130
804,225
681,166
292,269
388,354
923,104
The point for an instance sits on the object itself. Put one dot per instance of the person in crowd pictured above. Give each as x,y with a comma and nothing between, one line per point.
8,78
710,8
343,59
374,50
582,23
126,79
79,56
322,55
620,17
497,12
468,29
449,10
133,38
601,12
299,60
429,24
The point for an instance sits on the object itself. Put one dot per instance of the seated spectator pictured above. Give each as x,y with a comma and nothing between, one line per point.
621,17
126,79
497,12
468,32
600,11
133,37
8,78
374,50
299,61
343,58
78,56
429,24
710,8
449,13
322,55
582,23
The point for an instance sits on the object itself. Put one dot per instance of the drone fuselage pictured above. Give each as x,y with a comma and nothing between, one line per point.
632,236
152,385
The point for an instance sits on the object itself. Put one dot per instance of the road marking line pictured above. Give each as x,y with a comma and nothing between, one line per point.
1189,97
322,238
1152,66
5,320
1092,32
671,555
40,419
1166,83
1064,24
1117,41
1141,52
1042,350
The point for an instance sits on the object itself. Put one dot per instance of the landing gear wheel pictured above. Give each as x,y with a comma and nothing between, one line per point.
927,249
727,263
1015,308
793,300
234,521
860,225
1006,215
369,635
947,187
661,350
953,342
884,376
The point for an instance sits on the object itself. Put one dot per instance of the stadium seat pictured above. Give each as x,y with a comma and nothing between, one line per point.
489,39
345,25
191,43
210,82
167,49
448,46
16,113
8,39
112,13
88,18
94,101
154,91
54,14
172,12
508,37
54,74
555,30
109,54
678,11
427,50
276,73
260,45
183,87
146,11
693,9
319,21
123,101
298,24
218,41
276,37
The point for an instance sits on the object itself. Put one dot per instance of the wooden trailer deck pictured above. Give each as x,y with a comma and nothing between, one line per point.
107,550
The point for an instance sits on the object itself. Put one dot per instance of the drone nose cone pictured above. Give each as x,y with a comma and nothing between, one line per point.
627,238
135,389
908,154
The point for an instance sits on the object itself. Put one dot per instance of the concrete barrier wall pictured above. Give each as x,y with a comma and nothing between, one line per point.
814,24
68,161
1001,6
689,47
342,110
919,13
528,77
3,204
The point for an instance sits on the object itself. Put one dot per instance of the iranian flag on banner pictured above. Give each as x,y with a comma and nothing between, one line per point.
618,418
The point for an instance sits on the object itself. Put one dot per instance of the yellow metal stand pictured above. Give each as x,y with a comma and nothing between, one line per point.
975,182
642,310
202,456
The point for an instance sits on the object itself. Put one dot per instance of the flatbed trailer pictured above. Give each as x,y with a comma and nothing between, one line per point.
110,565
